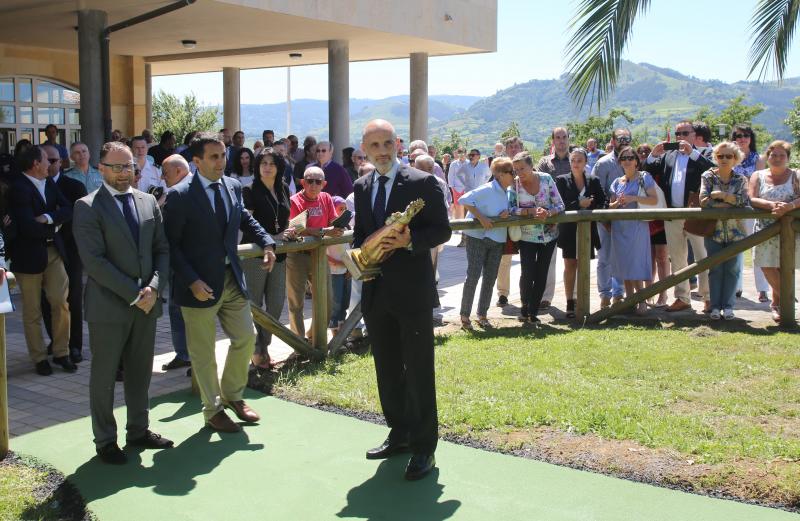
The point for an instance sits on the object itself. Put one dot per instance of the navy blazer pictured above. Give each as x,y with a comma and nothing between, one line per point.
29,254
406,275
663,167
198,248
72,190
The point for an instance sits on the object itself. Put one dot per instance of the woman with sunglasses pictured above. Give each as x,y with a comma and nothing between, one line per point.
722,187
630,240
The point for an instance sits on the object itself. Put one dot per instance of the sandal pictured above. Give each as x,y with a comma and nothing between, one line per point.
776,313
466,324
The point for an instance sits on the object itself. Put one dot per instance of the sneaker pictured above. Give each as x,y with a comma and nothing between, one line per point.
714,314
502,300
728,314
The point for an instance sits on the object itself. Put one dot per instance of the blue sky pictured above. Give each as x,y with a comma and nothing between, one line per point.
705,38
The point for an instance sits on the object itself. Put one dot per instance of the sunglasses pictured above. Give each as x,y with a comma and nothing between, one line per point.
741,136
725,156
119,168
314,181
51,160
627,158
684,132
623,139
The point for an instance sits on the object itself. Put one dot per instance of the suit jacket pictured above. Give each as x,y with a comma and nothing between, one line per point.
663,167
29,254
198,248
407,275
569,194
116,266
72,190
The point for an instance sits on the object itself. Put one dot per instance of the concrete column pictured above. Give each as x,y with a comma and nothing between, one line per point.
91,24
148,96
230,97
418,103
339,96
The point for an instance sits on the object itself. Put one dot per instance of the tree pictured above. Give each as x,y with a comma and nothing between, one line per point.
602,29
793,119
511,131
597,127
736,113
451,144
181,116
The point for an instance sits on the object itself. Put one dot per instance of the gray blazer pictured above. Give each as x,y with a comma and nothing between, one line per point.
117,268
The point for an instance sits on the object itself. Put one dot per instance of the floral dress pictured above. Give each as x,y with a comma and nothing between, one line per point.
768,253
748,166
547,198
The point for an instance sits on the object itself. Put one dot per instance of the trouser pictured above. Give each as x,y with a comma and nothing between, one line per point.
74,269
132,343
435,261
177,330
402,348
550,285
53,280
761,281
677,246
340,284
355,299
233,310
607,285
483,255
298,271
722,278
504,275
535,260
267,290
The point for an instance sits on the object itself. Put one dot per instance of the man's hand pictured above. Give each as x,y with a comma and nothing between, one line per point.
41,219
684,147
201,290
485,222
147,299
658,150
397,239
269,260
334,232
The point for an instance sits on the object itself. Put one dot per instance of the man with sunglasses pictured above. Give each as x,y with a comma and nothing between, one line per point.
678,173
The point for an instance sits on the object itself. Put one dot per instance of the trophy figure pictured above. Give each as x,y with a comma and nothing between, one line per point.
364,263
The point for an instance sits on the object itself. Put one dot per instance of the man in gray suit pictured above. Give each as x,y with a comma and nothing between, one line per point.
121,241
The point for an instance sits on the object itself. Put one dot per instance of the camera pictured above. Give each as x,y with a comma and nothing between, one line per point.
156,191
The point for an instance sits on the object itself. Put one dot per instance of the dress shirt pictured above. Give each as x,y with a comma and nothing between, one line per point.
554,165
388,186
678,181
92,179
455,175
491,200
151,176
210,194
474,176
438,172
606,170
40,184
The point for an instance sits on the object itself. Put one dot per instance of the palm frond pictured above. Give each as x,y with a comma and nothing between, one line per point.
601,31
772,27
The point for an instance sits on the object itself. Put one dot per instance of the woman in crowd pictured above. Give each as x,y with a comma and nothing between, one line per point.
243,166
536,196
578,192
776,189
630,240
268,201
643,151
340,278
745,138
658,242
721,187
485,247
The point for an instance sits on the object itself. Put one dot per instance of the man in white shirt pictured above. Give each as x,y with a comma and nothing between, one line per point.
150,174
455,179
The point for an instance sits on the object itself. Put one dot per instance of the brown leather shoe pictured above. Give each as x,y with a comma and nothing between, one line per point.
243,411
707,308
678,305
220,422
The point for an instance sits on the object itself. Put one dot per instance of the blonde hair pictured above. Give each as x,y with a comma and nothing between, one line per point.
738,155
502,164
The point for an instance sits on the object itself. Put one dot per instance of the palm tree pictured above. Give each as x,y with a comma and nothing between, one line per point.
602,29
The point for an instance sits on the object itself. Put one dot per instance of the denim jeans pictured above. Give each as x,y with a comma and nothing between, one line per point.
341,298
722,278
607,285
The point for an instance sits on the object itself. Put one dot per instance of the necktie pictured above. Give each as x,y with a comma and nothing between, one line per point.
133,224
219,207
379,208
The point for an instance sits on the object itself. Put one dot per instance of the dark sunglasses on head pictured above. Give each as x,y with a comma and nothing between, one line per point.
314,181
725,156
683,133
627,158
740,136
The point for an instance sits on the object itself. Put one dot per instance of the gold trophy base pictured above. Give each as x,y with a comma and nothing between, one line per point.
359,269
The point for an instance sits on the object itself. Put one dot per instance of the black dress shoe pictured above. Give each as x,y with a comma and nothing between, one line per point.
151,440
176,363
75,356
387,449
43,368
112,454
420,466
66,363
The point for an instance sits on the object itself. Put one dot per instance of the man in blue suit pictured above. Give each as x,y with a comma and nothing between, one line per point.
202,220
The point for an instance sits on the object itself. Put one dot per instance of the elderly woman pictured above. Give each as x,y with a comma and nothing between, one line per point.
536,196
485,247
578,192
722,187
776,189
630,240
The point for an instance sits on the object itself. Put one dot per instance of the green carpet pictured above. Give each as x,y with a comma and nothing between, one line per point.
304,464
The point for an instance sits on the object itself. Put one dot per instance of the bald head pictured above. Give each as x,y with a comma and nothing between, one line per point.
379,142
173,169
424,162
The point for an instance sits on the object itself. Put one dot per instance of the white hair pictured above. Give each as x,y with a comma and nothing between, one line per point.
417,144
425,163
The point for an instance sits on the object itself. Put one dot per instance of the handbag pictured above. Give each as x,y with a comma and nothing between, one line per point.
701,227
660,203
515,233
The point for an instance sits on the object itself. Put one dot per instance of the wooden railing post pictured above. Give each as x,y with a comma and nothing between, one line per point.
787,271
319,306
582,308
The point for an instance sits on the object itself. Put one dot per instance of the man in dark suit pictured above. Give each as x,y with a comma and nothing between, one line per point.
678,173
37,259
121,241
72,191
202,220
397,305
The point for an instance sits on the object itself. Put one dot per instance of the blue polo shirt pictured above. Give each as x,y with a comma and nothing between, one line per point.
490,199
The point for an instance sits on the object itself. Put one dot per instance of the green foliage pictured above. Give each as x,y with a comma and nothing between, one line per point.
181,116
511,131
793,119
735,113
598,127
450,145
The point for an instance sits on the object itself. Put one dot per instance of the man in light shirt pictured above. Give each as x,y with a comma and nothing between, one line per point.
82,170
150,175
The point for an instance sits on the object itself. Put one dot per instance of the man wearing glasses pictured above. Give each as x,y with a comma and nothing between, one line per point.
678,173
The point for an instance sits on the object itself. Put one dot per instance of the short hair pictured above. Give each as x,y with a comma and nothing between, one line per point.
417,144
619,130
113,146
556,129
778,144
581,151
138,138
28,156
460,150
702,130
738,155
475,151
749,130
511,140
175,160
50,126
237,133
525,157
632,151
167,134
198,146
501,163
268,131
75,144
309,141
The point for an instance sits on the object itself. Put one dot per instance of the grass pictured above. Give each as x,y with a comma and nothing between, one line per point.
18,498
716,397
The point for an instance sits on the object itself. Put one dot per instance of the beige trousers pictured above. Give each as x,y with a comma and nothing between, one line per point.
677,246
298,271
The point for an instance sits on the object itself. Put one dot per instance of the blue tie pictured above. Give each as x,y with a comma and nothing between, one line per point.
219,208
379,208
133,224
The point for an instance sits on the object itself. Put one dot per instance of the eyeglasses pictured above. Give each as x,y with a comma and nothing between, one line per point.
623,139
472,155
627,158
360,158
119,168
314,181
725,156
741,136
684,132
52,160
321,150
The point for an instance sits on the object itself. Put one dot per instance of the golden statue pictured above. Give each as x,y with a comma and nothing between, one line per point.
364,263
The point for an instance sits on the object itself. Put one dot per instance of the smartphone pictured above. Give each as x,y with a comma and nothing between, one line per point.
672,146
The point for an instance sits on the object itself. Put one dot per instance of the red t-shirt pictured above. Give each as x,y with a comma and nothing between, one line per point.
320,211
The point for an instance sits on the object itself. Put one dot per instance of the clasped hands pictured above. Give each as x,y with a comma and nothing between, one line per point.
147,299
538,213
781,208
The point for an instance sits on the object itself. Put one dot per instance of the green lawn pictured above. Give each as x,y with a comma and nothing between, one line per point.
18,499
721,399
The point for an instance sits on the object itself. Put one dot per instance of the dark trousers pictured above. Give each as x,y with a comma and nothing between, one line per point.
74,268
402,347
535,263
